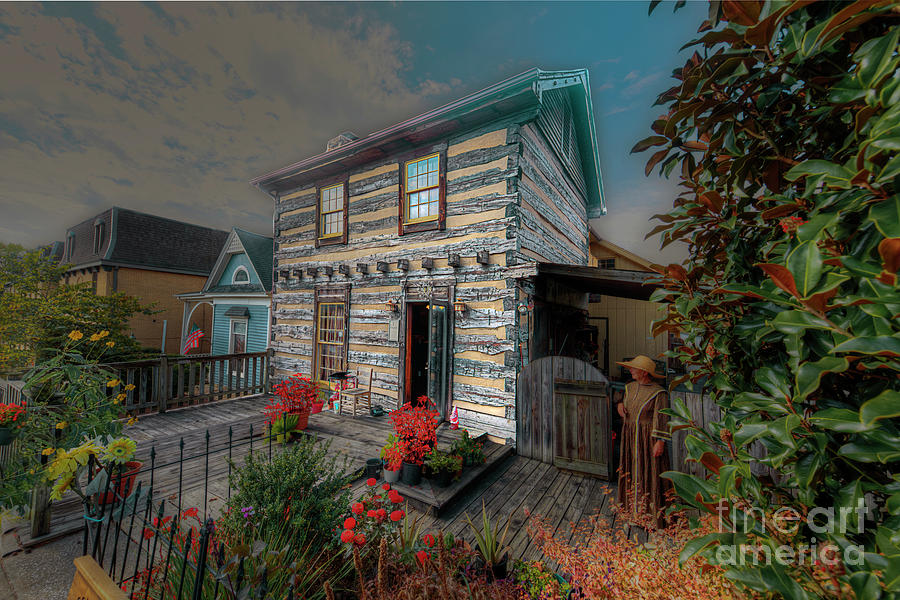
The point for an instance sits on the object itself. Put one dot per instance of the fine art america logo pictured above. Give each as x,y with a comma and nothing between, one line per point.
785,523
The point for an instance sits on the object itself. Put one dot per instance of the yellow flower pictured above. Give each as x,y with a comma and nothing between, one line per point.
120,450
113,383
121,397
75,335
95,337
61,425
103,333
48,451
132,421
110,344
129,387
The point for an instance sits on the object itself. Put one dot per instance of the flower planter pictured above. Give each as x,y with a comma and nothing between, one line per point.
302,420
120,488
316,407
7,435
391,476
442,478
411,474
500,570
373,466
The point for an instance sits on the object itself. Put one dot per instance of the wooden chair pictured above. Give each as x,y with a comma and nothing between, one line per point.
358,396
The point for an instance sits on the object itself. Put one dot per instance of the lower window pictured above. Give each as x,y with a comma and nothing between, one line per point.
331,337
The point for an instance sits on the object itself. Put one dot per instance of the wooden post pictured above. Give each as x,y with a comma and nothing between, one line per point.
40,511
92,583
164,391
268,371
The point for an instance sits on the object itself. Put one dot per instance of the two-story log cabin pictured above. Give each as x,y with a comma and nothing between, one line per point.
415,251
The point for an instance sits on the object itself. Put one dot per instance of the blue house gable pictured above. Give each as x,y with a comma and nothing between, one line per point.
239,290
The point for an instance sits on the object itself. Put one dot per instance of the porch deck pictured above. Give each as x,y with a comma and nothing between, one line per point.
508,485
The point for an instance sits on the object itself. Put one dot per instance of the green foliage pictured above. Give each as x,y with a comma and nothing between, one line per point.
538,581
438,461
72,403
472,452
304,486
489,540
283,426
784,134
37,311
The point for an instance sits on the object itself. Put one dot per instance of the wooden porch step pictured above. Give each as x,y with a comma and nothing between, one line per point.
427,497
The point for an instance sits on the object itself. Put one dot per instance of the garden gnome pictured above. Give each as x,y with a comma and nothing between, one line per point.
644,434
454,419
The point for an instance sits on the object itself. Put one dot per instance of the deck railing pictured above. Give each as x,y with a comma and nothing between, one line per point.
166,383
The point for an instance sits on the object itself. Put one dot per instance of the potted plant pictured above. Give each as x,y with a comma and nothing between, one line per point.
443,466
283,426
416,429
471,451
393,462
296,395
12,417
490,543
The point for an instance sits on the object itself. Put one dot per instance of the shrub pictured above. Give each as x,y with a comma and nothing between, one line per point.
303,486
783,132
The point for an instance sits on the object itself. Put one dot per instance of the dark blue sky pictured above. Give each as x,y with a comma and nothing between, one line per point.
172,108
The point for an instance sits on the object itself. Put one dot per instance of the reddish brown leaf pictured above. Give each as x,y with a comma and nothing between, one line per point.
819,302
887,278
889,249
761,33
695,146
676,272
712,200
748,294
783,210
742,12
781,277
849,11
653,140
654,160
711,462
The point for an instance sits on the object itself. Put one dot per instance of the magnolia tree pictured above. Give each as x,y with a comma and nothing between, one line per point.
783,130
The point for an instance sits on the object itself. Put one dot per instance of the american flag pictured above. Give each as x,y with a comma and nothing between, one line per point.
192,340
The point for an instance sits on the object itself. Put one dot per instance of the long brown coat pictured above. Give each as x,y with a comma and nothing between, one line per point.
641,489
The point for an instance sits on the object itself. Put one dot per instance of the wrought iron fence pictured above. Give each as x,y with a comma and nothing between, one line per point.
148,539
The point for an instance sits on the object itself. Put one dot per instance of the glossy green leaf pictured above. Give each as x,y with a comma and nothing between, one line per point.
839,419
805,264
876,58
883,345
797,321
815,167
695,545
885,405
865,586
810,374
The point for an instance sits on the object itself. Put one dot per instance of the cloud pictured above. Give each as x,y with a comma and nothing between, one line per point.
185,102
617,110
603,61
632,75
606,86
641,84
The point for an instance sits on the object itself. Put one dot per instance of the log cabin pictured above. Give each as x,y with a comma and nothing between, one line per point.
442,254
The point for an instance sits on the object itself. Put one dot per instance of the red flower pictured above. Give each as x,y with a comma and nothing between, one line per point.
347,536
191,512
349,523
148,533
422,557
380,514
396,498
371,482
397,515
371,514
386,487
359,539
357,508
377,498
429,540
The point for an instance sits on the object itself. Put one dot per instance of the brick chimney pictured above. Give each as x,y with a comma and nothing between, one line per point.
341,140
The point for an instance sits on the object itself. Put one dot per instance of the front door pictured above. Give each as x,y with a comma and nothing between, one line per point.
428,345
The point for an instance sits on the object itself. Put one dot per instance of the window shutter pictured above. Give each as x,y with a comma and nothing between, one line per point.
401,210
346,236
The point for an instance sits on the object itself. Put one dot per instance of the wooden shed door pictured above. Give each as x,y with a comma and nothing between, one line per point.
581,427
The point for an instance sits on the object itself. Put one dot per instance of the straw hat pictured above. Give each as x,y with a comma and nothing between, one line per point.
644,363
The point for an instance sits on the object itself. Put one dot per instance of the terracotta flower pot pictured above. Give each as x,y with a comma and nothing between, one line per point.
302,420
120,485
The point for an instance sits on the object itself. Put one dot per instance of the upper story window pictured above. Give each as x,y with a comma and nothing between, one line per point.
331,214
70,245
240,276
422,193
606,263
99,232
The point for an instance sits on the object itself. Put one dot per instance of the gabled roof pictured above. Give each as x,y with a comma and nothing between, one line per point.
135,239
259,250
520,94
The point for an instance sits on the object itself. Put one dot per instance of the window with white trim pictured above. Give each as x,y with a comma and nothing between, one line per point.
237,336
240,276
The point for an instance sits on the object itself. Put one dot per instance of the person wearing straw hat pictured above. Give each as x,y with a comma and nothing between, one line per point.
644,434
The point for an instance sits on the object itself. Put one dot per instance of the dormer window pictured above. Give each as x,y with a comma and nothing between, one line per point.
70,245
99,232
240,277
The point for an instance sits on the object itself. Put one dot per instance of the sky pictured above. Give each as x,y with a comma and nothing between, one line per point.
171,108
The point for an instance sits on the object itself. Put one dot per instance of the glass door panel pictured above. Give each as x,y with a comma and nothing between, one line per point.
438,353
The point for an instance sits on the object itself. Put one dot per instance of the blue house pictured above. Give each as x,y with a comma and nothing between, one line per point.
239,289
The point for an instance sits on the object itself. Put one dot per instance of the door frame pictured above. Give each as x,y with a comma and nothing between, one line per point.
425,291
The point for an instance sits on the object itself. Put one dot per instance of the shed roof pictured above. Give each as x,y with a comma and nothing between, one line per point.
522,93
